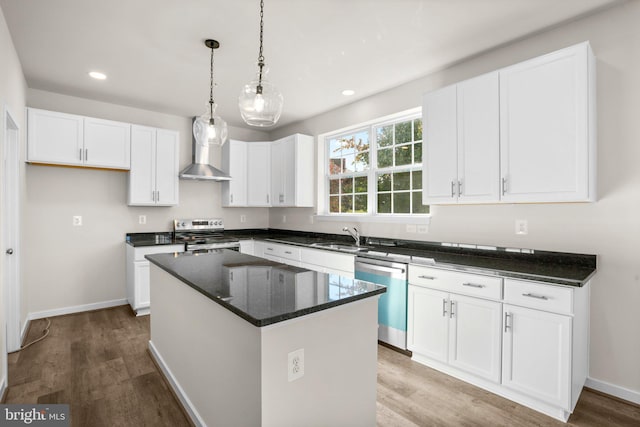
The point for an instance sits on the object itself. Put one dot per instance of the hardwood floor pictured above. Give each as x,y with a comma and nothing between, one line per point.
98,363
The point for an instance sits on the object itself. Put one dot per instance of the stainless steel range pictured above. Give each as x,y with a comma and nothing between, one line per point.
203,235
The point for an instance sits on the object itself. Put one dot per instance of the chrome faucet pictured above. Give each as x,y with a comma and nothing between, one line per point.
356,235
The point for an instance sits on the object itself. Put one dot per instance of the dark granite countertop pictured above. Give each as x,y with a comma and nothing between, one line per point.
151,239
260,291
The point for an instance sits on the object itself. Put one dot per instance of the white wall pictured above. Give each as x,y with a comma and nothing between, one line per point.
12,97
67,266
609,228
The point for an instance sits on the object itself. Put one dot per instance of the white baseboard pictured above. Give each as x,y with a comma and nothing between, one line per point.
614,390
25,329
76,309
177,389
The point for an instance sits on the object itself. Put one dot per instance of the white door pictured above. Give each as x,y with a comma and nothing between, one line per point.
544,127
440,175
478,139
428,322
475,336
142,174
536,357
107,144
167,164
10,232
258,174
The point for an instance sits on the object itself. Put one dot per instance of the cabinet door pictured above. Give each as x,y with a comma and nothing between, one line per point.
234,162
143,166
428,322
544,128
167,144
54,137
142,289
289,148
439,175
537,354
478,140
258,174
475,336
278,165
107,144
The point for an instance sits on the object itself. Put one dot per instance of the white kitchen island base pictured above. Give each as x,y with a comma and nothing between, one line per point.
228,372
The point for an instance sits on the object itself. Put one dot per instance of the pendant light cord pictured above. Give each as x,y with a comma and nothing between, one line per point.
260,55
211,88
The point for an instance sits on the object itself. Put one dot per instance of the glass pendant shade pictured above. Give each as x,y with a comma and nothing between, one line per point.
260,103
210,128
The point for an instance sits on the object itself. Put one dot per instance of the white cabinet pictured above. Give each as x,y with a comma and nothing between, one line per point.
461,133
137,272
234,163
547,127
428,324
67,139
258,174
153,178
292,171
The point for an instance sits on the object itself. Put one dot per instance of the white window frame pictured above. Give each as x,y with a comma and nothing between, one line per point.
372,215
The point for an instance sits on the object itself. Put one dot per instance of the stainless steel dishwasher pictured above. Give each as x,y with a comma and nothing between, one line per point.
392,306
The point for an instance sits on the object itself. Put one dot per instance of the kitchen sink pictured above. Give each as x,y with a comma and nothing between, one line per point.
340,247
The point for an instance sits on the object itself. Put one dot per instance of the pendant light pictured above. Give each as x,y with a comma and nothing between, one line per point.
210,128
260,102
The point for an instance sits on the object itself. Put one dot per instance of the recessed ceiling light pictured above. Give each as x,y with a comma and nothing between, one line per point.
348,92
98,75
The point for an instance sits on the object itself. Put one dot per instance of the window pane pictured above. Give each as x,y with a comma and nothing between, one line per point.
384,182
403,132
335,166
403,155
360,184
401,202
417,130
384,136
334,186
385,158
418,207
360,201
346,185
417,152
334,204
417,180
346,204
384,203
362,141
401,181
361,161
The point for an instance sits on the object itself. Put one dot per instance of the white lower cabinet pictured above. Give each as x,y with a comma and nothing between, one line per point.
528,343
137,271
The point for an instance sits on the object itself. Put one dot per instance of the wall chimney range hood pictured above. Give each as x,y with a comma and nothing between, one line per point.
200,169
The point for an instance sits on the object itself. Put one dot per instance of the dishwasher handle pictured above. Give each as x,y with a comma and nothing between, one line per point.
380,270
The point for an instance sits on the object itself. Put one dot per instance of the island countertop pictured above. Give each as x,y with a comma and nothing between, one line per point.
261,291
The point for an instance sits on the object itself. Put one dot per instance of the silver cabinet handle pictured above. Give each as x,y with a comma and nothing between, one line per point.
153,196
231,198
9,251
473,285
506,321
444,307
504,186
158,196
267,198
231,275
530,295
453,188
80,154
287,252
269,249
451,314
86,154
459,188
427,277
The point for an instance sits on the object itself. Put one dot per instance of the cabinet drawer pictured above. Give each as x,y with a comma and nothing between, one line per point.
140,252
537,295
282,251
457,282
330,260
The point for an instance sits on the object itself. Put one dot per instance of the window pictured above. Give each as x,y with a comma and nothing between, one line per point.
377,169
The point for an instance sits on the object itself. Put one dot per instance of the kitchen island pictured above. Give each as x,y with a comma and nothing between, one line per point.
247,342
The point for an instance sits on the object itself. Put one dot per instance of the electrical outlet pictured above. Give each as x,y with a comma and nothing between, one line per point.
411,228
142,219
243,218
77,220
295,365
284,219
310,219
522,227
423,229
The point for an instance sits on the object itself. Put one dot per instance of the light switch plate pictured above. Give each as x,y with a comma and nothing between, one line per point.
522,227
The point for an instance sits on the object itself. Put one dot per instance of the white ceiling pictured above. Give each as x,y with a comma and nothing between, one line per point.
155,58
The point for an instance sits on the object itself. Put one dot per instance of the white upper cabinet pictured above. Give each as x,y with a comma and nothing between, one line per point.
525,133
153,178
461,129
66,139
234,162
259,174
292,169
547,127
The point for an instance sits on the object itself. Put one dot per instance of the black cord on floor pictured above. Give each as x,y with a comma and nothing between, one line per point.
45,332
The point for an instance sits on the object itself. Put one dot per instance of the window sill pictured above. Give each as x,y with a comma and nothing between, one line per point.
398,219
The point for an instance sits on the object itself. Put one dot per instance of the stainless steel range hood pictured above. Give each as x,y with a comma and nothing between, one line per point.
200,169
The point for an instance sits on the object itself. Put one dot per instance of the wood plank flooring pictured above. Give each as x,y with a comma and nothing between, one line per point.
98,363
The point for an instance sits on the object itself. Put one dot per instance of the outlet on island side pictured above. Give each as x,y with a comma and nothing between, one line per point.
77,220
295,365
522,227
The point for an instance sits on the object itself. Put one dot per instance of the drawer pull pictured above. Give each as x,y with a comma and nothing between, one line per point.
269,249
451,313
473,285
506,321
427,277
530,295
287,252
444,307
